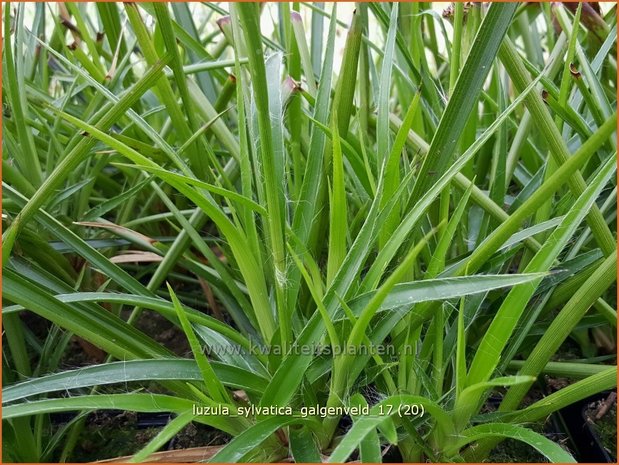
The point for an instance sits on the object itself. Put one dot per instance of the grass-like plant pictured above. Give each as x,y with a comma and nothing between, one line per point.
432,206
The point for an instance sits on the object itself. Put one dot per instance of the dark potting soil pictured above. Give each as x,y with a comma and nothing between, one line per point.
163,331
109,434
513,451
601,415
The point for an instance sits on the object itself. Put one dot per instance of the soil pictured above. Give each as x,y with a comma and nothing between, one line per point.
109,434
76,356
513,451
602,416
164,332
195,435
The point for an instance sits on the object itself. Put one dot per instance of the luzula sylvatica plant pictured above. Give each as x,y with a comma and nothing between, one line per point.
277,179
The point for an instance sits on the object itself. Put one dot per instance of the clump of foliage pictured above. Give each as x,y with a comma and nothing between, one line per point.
443,189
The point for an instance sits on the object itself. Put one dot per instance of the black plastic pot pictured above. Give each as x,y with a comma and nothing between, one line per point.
570,426
587,444
143,420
